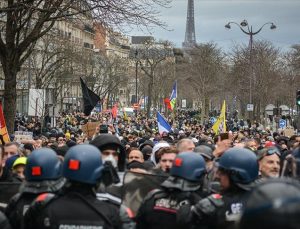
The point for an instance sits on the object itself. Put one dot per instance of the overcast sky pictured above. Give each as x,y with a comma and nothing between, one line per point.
212,15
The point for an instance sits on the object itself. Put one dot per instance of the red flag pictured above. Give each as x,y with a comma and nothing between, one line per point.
114,111
168,103
3,129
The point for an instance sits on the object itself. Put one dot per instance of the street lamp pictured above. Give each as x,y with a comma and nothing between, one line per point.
136,78
136,75
249,31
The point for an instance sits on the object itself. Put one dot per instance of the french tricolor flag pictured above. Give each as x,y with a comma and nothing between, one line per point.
163,125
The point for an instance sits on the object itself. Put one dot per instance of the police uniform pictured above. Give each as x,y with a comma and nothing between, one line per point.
43,173
228,215
19,203
78,206
160,207
183,187
75,209
223,212
17,208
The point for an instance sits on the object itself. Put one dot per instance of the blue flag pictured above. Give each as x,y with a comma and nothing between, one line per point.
163,125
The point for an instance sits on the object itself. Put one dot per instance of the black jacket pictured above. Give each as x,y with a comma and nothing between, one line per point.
4,224
76,207
159,209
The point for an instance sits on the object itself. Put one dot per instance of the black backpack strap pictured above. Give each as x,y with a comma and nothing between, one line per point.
94,208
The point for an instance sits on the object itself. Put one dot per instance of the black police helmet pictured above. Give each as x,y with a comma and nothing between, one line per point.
273,204
83,164
241,165
43,164
189,166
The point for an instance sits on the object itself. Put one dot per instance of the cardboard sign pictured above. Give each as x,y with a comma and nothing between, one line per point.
289,132
90,128
23,135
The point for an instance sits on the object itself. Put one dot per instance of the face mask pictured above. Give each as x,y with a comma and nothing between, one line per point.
112,160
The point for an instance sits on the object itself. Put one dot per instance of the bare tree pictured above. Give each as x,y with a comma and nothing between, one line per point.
205,72
109,73
151,57
264,75
290,75
25,22
48,58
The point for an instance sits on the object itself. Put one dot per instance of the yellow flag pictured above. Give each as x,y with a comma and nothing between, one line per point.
125,115
220,124
124,112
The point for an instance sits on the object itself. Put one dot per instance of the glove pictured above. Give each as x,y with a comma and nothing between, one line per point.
184,214
208,206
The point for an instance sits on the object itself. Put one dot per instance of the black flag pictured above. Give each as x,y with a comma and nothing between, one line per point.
90,99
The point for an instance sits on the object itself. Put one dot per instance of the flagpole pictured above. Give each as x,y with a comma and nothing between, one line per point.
176,101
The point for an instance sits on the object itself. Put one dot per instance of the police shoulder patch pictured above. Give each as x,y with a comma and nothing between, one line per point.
216,199
216,196
44,198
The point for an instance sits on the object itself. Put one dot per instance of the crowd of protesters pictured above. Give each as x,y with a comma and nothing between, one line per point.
244,178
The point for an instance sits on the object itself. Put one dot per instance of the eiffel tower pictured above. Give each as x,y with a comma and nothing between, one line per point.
190,36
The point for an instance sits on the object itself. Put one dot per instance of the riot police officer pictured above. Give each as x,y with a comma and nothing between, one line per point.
273,204
78,206
182,187
43,173
237,171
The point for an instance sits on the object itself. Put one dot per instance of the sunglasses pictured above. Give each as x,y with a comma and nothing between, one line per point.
271,151
268,152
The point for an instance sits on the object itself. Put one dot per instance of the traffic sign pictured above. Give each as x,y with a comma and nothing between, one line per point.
212,120
282,123
136,106
250,107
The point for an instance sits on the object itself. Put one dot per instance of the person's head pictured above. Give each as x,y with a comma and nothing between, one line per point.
147,150
28,148
111,150
135,155
273,204
83,165
167,156
237,167
38,143
10,149
207,153
130,138
185,145
155,156
61,140
252,144
269,162
18,167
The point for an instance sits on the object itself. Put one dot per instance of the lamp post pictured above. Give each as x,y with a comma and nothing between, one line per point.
136,79
136,75
245,28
